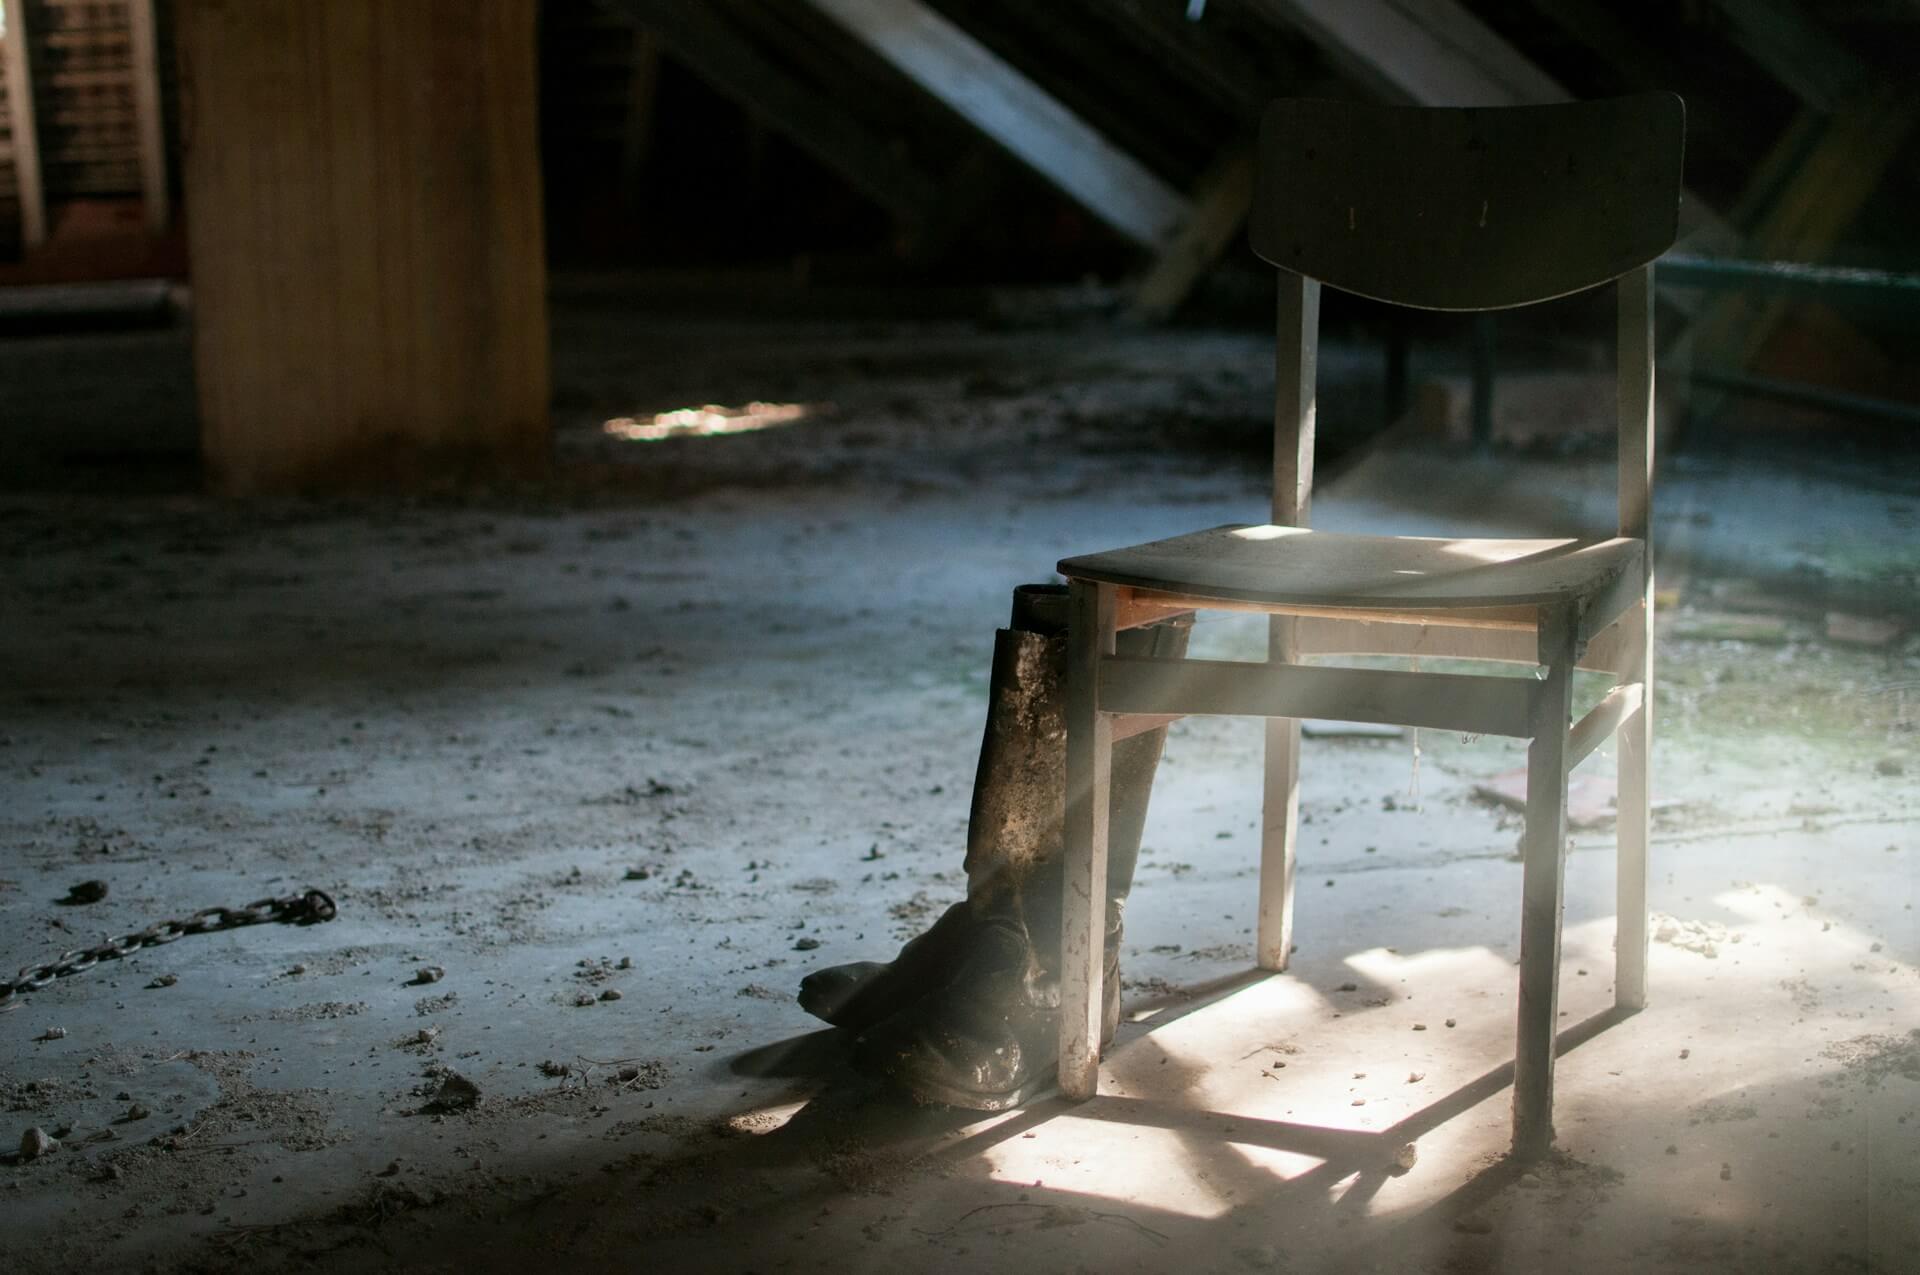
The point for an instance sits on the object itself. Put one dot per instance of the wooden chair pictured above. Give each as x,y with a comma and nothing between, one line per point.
1443,209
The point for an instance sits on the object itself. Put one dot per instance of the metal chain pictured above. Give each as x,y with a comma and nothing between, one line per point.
305,908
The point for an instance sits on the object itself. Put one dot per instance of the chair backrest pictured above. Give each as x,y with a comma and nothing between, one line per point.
1448,208
1468,208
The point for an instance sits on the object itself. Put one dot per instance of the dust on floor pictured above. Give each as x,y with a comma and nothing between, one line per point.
622,756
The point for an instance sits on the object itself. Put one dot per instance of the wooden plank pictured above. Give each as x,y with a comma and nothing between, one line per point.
1601,721
1430,52
1469,702
699,37
1015,112
1083,901
155,202
1439,208
1796,50
1219,209
368,257
18,70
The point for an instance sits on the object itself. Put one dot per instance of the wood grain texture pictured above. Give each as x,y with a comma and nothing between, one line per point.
23,131
1468,209
1324,569
369,271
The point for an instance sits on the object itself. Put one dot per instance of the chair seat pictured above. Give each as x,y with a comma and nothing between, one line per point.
1276,565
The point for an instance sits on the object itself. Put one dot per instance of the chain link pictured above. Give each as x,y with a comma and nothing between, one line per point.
306,908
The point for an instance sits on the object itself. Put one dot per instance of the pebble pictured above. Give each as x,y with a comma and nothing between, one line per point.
1415,1077
806,945
583,999
137,1112
36,1142
428,974
1406,1157
1726,1172
1419,1027
53,1033
164,980
1450,1022
624,963
611,994
86,892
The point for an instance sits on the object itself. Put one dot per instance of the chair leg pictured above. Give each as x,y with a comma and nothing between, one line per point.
1633,818
1090,635
1543,891
1279,835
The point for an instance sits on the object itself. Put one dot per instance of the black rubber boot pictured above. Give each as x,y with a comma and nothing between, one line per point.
982,1033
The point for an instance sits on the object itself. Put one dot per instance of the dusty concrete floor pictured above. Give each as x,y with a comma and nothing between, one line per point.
701,715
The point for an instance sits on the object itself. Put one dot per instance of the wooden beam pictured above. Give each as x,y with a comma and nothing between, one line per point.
1220,205
1432,52
1015,112
1796,50
1474,703
699,36
369,268
143,54
25,132
1840,172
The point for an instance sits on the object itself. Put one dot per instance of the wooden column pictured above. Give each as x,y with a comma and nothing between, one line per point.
363,207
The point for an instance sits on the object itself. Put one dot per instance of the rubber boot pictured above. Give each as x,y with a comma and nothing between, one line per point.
982,1033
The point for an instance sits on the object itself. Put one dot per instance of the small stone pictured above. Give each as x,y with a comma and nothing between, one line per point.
1686,1053
639,874
1405,1158
1530,1181
86,892
630,1072
53,1033
456,1093
109,1172
1672,1149
136,1112
164,980
806,945
1726,1171
610,994
425,1036
36,1142
624,963
1347,987
1415,1077
392,1170
1450,1022
293,971
1889,766
1419,1027
1359,1102
582,1000
427,974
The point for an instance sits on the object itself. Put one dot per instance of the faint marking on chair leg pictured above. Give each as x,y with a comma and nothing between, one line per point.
1090,634
1543,890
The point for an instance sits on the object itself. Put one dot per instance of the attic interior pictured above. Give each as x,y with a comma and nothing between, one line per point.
548,477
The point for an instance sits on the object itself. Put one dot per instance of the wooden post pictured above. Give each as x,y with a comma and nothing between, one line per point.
365,229
24,132
144,56
1083,893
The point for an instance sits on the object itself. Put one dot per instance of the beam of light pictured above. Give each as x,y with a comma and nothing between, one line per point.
707,421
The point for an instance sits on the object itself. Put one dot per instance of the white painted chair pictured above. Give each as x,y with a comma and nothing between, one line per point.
1444,209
